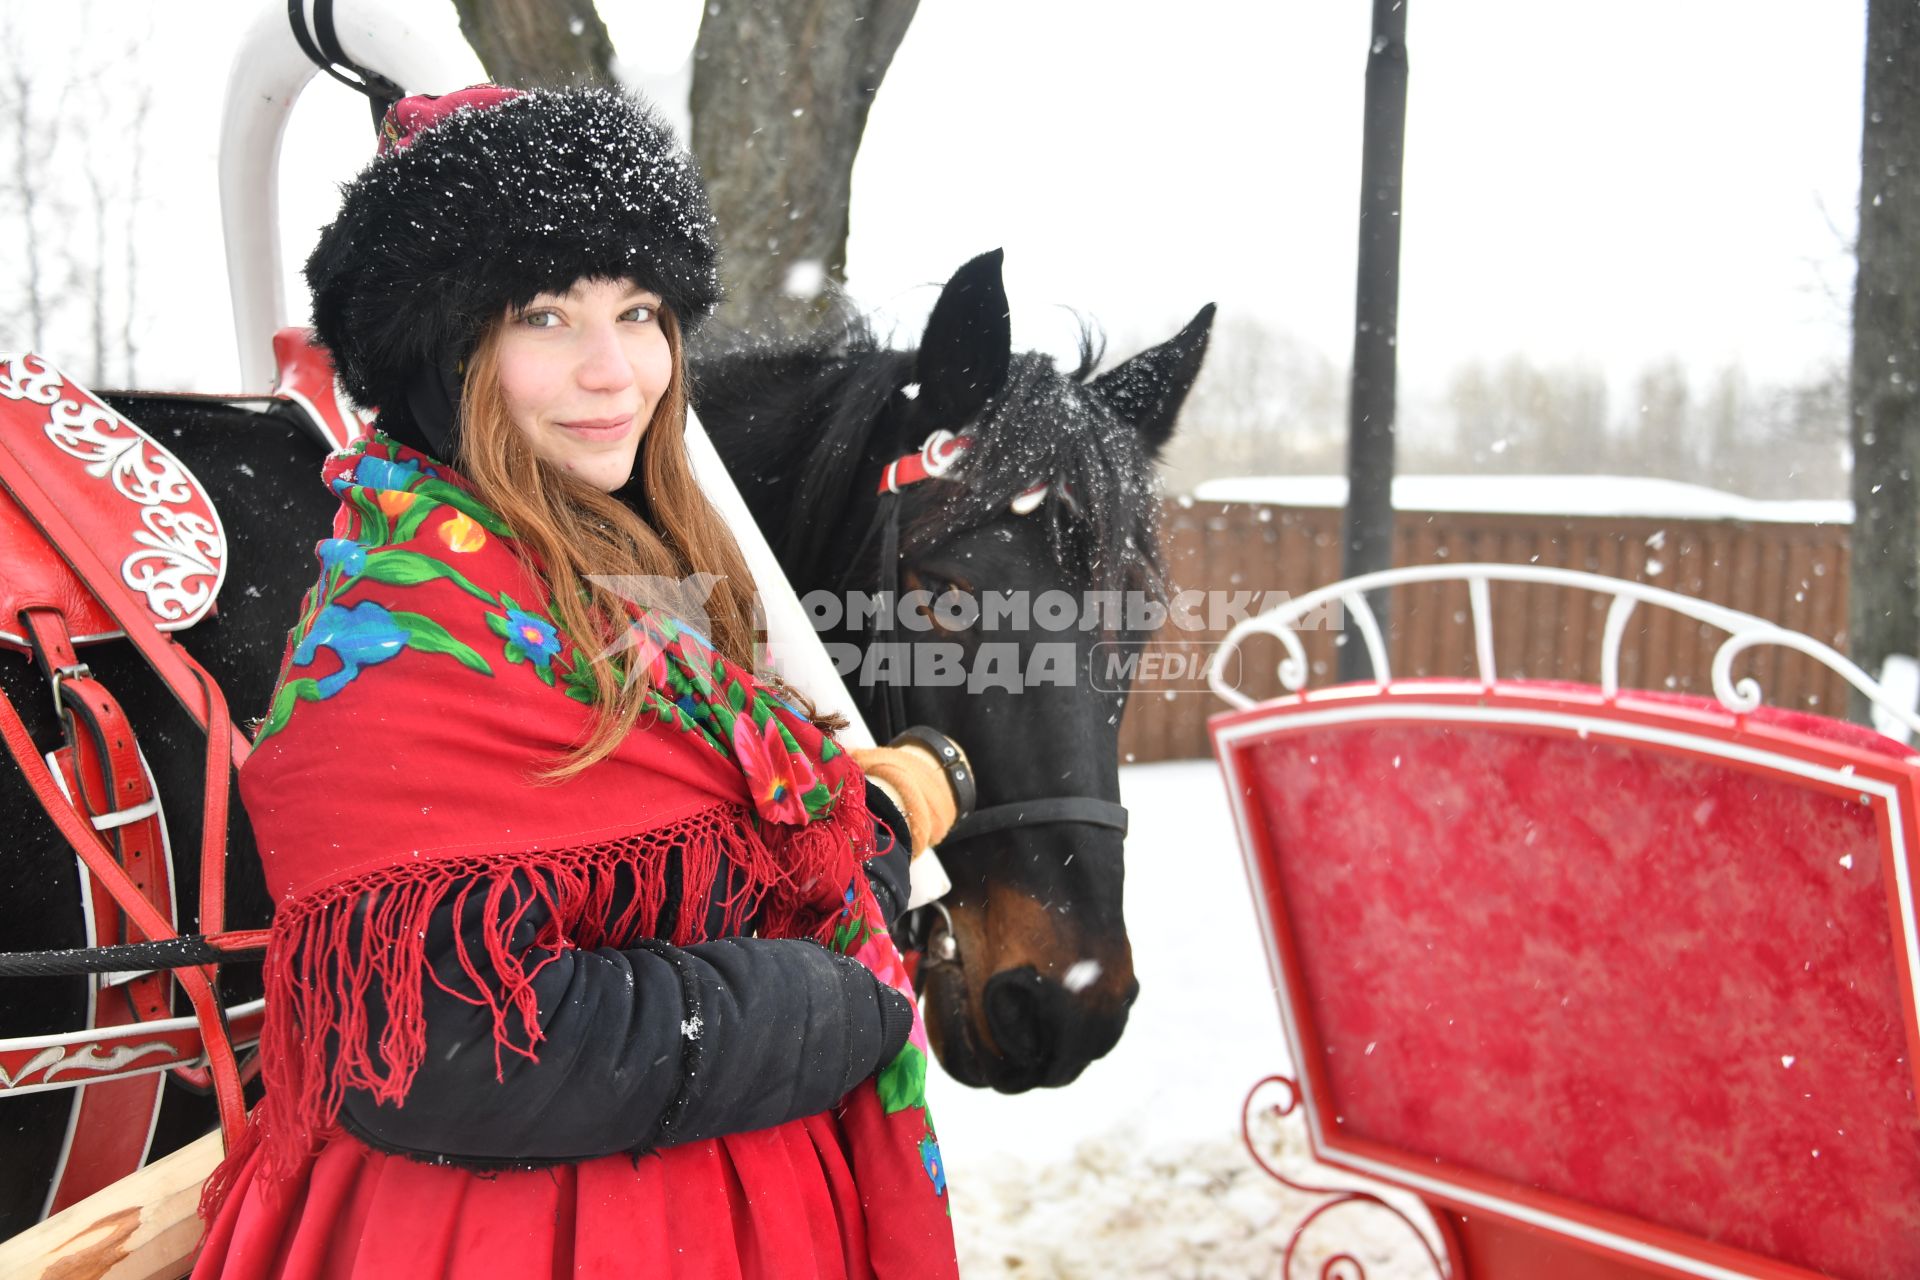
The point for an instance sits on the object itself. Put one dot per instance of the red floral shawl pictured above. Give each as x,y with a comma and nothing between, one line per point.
423,681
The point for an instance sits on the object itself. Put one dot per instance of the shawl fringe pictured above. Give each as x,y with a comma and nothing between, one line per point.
330,949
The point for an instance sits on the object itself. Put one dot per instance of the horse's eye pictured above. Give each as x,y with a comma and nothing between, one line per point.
957,616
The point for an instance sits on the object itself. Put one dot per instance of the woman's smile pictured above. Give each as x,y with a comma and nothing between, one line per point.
601,428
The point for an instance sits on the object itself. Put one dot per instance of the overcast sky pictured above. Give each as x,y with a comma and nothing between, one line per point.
1602,183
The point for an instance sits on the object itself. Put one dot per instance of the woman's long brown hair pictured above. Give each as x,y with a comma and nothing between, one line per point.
570,533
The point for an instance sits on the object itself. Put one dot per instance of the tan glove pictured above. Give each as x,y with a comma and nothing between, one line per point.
913,780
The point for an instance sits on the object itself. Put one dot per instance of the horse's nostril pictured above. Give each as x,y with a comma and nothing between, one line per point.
1015,1004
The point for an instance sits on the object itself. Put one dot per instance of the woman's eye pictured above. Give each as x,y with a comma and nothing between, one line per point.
540,319
641,315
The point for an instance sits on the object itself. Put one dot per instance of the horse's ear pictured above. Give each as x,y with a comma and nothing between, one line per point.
1149,389
968,346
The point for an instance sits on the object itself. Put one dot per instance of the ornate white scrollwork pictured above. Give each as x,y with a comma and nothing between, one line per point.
57,1060
177,572
34,1065
179,565
91,1059
36,383
111,448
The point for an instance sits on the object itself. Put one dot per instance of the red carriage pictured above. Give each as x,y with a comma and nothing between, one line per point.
1617,983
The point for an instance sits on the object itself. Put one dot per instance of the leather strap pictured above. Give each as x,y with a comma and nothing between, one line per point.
953,763
86,842
107,782
1026,813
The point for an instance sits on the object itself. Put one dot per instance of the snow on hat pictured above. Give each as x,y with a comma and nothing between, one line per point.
480,199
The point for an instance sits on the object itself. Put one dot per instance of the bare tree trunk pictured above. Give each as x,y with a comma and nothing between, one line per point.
781,91
26,181
137,130
529,43
1884,609
1370,443
95,281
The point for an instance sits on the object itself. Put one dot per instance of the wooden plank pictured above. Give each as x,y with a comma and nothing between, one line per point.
1827,610
1509,605
1544,606
1683,575
144,1227
1713,574
1450,638
1770,601
1799,674
1419,626
1583,612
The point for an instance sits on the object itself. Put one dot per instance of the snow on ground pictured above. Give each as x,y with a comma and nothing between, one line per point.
1523,495
1136,1169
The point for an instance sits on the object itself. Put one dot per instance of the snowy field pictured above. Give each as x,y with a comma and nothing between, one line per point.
1136,1169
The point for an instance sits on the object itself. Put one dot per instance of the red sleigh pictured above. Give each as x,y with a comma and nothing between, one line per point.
1617,983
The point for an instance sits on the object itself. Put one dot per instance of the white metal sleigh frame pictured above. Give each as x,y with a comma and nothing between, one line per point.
1744,632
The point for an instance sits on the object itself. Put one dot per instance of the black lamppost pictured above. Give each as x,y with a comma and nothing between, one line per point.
1370,410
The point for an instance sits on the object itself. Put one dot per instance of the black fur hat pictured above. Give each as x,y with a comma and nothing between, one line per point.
478,201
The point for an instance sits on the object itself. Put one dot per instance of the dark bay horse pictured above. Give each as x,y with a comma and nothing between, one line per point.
806,433
1028,974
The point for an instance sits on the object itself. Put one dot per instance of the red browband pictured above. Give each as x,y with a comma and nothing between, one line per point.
934,458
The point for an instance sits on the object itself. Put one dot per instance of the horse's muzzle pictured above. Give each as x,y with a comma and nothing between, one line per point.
1047,1035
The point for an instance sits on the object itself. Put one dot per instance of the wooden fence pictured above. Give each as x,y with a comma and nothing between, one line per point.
1793,574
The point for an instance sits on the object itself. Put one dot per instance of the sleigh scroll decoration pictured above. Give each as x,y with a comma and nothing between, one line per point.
1617,983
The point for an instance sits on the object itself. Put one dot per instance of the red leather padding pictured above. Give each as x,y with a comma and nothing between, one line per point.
37,578
1660,985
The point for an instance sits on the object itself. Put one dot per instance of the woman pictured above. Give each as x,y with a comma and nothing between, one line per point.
575,970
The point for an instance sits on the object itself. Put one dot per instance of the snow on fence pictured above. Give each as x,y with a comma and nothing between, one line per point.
1234,554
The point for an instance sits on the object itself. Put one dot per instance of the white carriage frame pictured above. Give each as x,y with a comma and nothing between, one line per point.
1744,631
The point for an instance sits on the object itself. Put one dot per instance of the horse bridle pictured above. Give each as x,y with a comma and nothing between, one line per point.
935,457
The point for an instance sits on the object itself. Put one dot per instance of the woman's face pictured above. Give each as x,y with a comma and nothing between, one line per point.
581,373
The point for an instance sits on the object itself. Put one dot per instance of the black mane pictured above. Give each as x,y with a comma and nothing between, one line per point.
821,418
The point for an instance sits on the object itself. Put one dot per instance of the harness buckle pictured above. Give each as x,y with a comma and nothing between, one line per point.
77,671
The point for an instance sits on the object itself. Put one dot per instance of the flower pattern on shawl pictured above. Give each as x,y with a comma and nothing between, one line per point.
649,650
463,534
778,777
377,473
343,555
536,635
362,636
395,502
401,509
930,1161
380,510
900,1085
530,637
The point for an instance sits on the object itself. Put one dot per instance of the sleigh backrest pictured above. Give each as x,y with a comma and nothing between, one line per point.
1631,970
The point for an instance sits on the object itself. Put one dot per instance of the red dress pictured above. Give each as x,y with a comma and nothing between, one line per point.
777,1203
